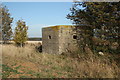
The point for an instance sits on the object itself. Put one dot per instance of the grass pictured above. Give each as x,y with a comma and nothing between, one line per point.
26,62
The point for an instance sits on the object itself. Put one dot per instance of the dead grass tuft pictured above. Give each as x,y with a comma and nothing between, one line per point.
31,64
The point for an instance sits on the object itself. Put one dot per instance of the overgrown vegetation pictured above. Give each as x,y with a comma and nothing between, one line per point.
27,63
99,33
101,20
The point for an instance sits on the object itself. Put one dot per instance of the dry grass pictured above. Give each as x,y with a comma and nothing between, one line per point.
26,62
27,42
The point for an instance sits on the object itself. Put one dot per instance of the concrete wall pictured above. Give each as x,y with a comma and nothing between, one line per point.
59,39
50,42
66,41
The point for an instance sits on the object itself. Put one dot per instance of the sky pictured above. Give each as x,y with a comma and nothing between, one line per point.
39,14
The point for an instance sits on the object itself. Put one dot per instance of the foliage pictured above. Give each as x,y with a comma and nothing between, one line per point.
104,19
20,33
6,24
0,23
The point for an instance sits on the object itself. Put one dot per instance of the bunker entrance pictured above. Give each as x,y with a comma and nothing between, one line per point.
49,37
74,36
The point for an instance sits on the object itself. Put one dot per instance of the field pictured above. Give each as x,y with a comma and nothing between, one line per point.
27,62
29,42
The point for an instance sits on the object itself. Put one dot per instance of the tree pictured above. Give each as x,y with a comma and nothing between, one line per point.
0,23
20,33
6,24
101,16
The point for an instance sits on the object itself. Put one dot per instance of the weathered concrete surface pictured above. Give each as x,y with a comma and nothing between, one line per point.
59,39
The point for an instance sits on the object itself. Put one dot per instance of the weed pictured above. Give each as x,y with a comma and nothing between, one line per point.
27,63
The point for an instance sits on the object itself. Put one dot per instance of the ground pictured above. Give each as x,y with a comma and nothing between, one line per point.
27,62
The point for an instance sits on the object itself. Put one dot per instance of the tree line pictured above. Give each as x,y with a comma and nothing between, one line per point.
20,34
102,25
